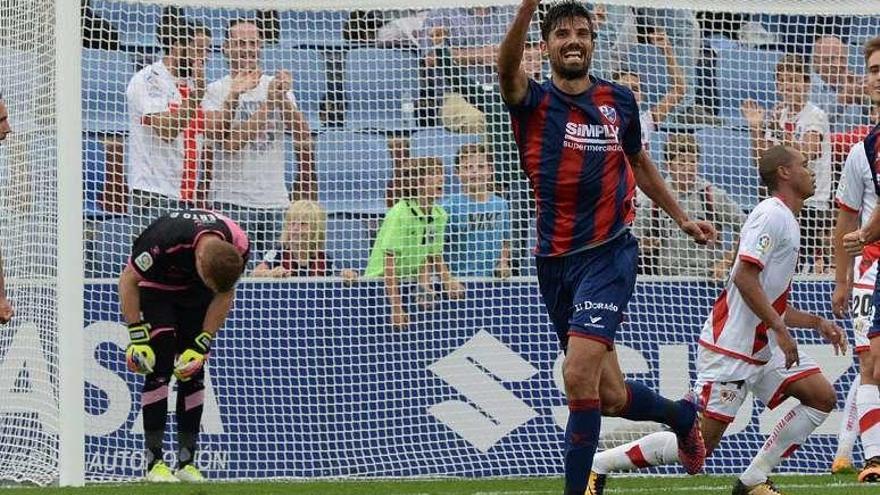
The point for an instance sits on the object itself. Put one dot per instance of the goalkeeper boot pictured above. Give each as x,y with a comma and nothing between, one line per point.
161,473
596,483
842,465
765,488
691,447
871,472
190,474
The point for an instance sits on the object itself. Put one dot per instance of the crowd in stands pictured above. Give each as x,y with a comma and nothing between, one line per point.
228,143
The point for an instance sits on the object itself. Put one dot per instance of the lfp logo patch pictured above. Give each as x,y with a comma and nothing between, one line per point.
609,112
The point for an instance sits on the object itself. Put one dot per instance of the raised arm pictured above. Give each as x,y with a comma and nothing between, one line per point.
677,83
513,79
6,311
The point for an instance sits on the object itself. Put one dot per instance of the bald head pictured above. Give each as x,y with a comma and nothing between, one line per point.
770,161
5,128
829,57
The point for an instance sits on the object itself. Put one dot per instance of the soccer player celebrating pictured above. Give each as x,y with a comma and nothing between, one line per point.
175,294
745,344
580,146
856,200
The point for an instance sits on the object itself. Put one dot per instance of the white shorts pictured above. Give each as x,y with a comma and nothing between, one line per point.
720,400
863,317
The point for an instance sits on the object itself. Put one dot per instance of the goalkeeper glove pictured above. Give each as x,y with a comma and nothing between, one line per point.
193,359
139,356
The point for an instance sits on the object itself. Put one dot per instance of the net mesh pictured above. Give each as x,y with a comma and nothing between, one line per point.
28,352
318,131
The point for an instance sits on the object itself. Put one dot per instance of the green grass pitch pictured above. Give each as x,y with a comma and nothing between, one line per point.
697,485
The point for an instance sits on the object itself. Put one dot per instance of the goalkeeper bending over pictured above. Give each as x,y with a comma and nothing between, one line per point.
175,293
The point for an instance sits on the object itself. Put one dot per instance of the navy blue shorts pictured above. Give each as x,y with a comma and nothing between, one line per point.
586,293
874,332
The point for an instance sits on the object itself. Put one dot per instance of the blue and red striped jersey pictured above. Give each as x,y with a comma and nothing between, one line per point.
872,152
573,149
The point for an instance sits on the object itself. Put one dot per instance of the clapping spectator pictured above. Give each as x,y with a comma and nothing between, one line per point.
410,241
300,252
665,249
797,122
246,181
478,237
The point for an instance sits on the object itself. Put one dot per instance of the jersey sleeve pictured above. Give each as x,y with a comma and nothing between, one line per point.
851,188
145,96
632,135
763,232
390,233
534,94
144,258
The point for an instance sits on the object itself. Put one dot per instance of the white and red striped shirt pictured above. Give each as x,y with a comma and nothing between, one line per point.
855,193
770,239
169,168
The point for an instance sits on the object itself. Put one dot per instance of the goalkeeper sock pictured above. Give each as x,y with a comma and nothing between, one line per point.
869,419
153,445
644,404
656,449
186,448
787,435
849,430
581,440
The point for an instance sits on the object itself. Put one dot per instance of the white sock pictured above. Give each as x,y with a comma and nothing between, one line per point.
869,419
656,449
787,435
849,429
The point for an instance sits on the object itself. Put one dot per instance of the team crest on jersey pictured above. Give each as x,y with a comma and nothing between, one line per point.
144,261
609,112
764,244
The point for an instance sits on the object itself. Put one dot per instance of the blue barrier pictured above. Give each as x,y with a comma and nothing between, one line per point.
303,386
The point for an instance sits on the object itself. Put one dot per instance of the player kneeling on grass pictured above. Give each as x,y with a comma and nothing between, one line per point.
175,294
745,345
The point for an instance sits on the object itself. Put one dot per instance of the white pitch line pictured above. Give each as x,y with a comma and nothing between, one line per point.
720,489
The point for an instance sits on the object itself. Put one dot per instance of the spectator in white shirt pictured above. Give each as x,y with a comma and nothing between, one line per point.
246,180
835,88
799,123
167,127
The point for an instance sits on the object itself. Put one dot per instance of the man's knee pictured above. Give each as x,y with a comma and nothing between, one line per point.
823,398
614,399
581,379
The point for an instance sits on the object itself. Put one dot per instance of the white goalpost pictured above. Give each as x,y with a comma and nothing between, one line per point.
317,373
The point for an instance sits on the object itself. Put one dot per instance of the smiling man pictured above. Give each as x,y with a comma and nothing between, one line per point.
580,146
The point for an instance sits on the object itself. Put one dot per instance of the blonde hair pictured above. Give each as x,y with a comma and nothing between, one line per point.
310,212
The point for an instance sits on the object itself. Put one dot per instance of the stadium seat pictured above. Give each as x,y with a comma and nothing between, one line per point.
381,86
309,28
93,165
136,22
108,245
309,71
349,240
745,73
353,171
445,145
726,161
105,76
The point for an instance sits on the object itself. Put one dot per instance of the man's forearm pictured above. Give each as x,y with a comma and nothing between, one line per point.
754,296
171,123
800,319
2,279
847,222
510,52
652,184
217,311
246,132
129,297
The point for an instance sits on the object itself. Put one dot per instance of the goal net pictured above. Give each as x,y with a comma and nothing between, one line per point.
336,132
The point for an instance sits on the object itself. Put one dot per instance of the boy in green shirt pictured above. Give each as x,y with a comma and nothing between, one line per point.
410,240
